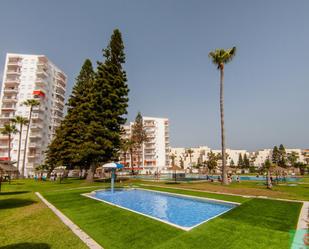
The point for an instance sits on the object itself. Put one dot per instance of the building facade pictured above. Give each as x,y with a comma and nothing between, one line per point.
199,155
31,77
154,154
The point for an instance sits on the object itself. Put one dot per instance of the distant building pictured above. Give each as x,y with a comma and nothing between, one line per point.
200,155
305,153
155,152
31,77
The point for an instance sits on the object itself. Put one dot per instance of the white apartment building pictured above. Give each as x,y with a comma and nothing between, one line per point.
31,77
187,160
155,152
199,155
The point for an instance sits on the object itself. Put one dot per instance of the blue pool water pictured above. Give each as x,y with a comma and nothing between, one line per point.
185,212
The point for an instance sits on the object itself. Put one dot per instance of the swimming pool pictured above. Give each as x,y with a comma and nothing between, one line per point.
181,211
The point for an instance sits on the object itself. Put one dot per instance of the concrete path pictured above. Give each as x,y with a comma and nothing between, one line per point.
80,233
303,222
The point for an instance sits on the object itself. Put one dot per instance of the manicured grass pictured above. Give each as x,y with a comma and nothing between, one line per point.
257,223
231,198
293,191
27,223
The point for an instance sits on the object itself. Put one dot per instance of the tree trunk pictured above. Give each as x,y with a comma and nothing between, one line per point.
9,152
19,145
224,173
269,184
25,147
90,173
131,158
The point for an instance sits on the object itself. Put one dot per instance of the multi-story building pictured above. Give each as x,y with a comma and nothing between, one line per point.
31,77
199,155
305,153
154,154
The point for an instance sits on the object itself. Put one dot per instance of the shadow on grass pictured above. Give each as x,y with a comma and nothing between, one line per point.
14,192
15,203
27,246
172,183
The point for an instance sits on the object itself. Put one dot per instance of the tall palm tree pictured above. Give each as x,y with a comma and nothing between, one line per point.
220,57
31,103
189,151
21,121
9,129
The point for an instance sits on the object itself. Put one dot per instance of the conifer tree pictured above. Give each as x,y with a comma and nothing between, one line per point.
240,161
139,135
246,162
275,155
108,105
67,146
282,156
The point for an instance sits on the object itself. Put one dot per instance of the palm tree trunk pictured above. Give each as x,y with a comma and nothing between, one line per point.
9,152
19,145
131,158
224,175
25,147
269,184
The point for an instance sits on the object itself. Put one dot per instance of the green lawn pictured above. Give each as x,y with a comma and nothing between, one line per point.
256,223
292,191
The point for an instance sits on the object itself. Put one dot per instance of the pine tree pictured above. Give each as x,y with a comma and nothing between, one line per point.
139,135
246,162
68,144
240,161
275,155
282,156
108,105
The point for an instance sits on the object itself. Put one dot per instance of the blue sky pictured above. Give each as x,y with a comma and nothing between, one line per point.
169,72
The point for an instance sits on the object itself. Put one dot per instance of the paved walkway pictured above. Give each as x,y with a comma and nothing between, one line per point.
80,233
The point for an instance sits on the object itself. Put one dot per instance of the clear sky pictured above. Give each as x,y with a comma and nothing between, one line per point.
169,72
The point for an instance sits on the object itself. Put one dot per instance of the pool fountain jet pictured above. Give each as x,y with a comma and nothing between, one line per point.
113,167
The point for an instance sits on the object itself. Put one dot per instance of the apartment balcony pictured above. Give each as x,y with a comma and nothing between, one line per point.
4,116
57,119
42,60
13,72
42,74
37,116
40,82
10,90
8,107
61,82
60,89
58,110
35,126
60,104
61,76
11,83
9,100
4,146
14,61
34,145
4,137
60,96
37,109
149,148
35,135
